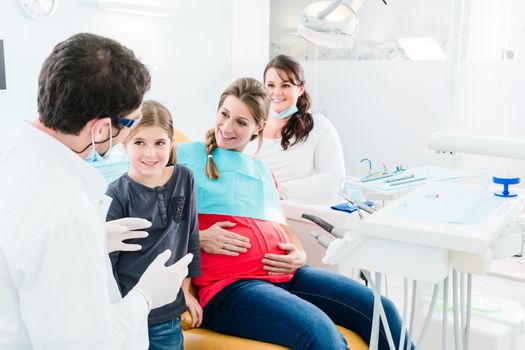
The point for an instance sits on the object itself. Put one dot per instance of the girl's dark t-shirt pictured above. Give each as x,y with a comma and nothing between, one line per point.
173,214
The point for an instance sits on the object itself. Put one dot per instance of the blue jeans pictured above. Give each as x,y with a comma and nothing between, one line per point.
166,336
300,314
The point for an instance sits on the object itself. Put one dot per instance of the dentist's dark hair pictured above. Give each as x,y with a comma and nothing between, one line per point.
301,122
89,77
255,96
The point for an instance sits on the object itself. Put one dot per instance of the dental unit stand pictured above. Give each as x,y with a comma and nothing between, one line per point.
391,241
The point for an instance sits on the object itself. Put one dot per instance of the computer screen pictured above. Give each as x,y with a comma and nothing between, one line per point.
3,83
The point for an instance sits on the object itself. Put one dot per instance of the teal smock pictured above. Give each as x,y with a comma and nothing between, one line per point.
244,188
113,168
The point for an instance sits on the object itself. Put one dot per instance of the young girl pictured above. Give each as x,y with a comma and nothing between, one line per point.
267,292
162,192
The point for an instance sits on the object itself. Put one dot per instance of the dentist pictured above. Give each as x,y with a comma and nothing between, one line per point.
57,290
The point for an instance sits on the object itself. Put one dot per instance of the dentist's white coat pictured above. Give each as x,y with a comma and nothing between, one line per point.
56,285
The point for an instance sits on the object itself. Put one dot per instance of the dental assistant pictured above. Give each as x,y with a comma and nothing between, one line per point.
57,289
302,149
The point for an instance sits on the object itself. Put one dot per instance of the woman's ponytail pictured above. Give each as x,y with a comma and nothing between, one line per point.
211,145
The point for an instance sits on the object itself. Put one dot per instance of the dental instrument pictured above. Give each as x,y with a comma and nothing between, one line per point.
358,204
400,178
337,233
381,174
324,241
378,177
408,181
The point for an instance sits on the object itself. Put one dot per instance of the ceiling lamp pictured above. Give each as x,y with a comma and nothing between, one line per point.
329,23
332,24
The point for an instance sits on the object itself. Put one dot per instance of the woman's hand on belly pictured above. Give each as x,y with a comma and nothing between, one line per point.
217,240
278,264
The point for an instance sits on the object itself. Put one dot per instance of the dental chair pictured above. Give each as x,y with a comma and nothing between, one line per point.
180,137
204,339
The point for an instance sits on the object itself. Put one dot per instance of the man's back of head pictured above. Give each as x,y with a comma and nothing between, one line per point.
86,77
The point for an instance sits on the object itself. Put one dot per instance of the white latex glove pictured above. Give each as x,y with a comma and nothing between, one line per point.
123,229
160,284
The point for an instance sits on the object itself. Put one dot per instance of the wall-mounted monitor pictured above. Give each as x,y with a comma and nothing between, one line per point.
3,81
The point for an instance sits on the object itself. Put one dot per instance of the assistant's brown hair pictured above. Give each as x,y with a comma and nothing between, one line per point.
301,122
255,96
155,114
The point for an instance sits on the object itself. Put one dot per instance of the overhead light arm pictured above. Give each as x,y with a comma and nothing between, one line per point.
328,9
356,5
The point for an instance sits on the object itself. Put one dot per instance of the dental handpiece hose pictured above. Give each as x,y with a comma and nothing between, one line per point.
336,232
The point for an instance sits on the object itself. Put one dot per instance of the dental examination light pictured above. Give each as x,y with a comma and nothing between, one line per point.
332,24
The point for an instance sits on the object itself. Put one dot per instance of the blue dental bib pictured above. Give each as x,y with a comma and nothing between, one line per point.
245,186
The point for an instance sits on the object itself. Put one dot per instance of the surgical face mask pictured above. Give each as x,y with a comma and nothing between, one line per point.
286,113
93,155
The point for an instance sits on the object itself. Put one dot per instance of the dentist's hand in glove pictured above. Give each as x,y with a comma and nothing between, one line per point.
122,229
160,284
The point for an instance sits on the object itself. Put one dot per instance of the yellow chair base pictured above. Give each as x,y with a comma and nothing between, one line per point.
203,339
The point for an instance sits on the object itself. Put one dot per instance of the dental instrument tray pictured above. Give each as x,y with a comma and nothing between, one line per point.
409,178
465,216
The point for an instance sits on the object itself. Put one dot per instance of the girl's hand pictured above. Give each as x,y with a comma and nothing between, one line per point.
194,308
217,240
277,264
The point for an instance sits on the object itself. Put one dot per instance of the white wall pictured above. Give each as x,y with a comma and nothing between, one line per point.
250,37
383,110
189,55
386,110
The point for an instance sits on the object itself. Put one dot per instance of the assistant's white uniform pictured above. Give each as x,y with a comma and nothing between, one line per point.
57,289
309,171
